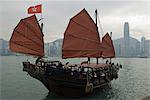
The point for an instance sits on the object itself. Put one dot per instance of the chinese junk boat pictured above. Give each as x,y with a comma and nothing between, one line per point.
81,39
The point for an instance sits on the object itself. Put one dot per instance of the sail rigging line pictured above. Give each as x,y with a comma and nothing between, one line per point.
81,52
86,13
108,46
83,46
24,47
83,38
40,20
27,25
31,29
29,18
19,33
23,21
82,26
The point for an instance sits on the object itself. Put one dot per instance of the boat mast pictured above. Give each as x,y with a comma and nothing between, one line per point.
111,37
97,28
111,34
42,27
89,60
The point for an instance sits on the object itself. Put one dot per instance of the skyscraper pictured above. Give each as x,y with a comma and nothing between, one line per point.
142,46
126,40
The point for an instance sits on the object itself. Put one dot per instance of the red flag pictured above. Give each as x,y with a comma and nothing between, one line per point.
35,9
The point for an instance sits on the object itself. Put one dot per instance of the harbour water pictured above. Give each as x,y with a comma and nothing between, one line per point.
133,82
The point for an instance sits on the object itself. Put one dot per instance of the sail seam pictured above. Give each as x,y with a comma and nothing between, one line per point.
24,46
82,38
107,43
24,22
83,26
27,37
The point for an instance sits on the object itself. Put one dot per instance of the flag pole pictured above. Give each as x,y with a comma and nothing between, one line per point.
41,19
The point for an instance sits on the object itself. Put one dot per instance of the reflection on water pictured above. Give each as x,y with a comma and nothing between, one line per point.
133,82
103,91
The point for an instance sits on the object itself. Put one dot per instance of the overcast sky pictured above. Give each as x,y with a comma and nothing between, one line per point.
56,14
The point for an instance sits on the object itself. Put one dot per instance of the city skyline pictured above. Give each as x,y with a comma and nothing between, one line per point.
124,47
126,39
56,16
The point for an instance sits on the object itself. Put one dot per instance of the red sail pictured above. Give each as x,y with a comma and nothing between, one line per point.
81,38
27,37
107,47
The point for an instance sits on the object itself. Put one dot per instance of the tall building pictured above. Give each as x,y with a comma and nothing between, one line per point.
137,49
145,47
126,40
142,46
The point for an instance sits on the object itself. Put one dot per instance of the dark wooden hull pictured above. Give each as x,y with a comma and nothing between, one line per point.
66,88
62,84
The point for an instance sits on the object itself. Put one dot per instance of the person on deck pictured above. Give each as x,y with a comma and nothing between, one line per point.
37,60
84,62
60,65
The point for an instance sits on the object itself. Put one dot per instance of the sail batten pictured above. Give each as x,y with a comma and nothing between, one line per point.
83,38
82,26
27,37
15,43
28,25
19,33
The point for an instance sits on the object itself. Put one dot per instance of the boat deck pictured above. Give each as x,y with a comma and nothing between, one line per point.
94,65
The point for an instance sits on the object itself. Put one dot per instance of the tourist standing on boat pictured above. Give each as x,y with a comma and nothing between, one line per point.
37,60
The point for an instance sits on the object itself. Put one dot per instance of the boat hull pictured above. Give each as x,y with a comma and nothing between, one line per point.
63,84
66,88
56,84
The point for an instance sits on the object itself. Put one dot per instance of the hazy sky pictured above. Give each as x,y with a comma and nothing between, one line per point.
56,14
